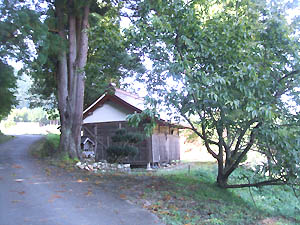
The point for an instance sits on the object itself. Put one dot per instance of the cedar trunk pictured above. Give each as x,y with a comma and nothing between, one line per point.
71,63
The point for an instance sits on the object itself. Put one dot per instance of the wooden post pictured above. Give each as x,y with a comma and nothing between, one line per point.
96,143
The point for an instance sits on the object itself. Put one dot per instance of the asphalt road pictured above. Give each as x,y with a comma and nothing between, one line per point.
31,194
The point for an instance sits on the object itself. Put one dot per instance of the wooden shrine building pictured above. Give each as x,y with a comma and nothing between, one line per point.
109,112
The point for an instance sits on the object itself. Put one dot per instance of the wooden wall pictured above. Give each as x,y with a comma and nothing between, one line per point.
165,147
162,146
102,133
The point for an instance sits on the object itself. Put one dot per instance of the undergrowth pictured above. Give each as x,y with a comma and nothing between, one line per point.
4,138
47,149
194,198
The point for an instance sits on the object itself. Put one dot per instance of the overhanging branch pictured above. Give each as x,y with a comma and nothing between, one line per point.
203,137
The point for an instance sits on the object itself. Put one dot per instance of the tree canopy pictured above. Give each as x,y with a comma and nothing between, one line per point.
107,60
52,40
234,63
16,21
7,89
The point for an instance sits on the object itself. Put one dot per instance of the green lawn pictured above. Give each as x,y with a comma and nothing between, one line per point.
193,198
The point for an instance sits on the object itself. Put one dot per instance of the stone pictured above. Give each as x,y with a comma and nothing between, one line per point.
126,165
81,167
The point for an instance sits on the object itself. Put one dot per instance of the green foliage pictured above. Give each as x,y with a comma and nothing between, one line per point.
272,199
118,153
147,119
18,25
7,89
48,147
234,64
108,61
123,136
123,146
53,140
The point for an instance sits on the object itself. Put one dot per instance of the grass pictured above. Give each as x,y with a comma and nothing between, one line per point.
4,138
47,149
193,198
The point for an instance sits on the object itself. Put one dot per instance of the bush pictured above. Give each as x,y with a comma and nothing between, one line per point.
119,153
123,146
48,147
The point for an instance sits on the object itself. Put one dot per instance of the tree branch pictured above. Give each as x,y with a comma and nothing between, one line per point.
278,93
258,184
241,136
245,151
203,137
292,73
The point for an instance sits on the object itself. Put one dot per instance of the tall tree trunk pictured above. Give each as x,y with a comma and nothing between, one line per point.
71,74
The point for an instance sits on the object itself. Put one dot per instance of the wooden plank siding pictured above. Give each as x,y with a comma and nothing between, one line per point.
160,147
104,133
165,147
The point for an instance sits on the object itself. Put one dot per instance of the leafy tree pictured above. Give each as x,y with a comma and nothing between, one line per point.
59,34
51,38
107,61
65,63
7,89
123,145
16,21
233,63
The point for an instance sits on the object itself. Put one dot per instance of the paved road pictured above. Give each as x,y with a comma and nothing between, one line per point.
33,195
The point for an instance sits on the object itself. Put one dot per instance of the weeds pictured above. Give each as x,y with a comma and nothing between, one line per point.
194,198
4,138
47,148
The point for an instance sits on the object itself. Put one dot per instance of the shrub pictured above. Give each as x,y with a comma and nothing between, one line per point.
47,147
119,153
123,146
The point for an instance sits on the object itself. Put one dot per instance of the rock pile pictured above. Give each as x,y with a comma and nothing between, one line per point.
102,167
